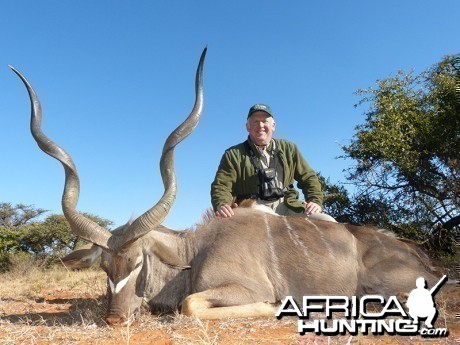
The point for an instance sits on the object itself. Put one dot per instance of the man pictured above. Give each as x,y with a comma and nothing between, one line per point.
421,304
264,169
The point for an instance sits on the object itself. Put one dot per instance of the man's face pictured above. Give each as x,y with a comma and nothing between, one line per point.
260,127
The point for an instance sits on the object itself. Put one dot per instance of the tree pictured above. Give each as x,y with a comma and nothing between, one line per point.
12,219
53,235
21,231
357,209
407,152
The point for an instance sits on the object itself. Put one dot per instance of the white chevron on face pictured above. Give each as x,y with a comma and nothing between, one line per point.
122,283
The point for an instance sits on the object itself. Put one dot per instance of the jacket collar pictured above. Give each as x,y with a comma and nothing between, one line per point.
256,149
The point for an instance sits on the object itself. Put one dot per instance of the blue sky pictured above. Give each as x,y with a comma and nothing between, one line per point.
115,77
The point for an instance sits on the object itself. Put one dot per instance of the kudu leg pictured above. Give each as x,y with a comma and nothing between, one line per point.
229,301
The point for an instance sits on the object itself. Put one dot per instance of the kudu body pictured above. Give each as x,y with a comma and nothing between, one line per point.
229,267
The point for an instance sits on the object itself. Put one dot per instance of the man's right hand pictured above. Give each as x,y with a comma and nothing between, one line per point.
226,210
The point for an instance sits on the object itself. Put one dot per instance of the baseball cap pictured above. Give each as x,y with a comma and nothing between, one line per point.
260,107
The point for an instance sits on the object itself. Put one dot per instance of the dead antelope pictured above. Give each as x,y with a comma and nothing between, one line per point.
233,267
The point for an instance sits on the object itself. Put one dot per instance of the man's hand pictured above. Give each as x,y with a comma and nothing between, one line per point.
311,207
226,211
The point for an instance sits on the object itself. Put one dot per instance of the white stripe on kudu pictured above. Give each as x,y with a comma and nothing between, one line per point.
273,255
323,239
122,283
295,237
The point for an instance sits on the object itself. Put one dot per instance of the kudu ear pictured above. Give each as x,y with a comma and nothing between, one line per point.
169,258
84,257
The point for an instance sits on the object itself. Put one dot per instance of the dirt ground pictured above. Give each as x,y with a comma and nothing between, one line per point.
68,308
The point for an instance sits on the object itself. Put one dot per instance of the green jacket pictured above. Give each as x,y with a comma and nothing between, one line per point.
236,176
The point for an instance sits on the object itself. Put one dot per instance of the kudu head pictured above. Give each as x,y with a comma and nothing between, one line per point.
122,255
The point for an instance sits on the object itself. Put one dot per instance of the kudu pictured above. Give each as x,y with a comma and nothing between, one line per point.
229,267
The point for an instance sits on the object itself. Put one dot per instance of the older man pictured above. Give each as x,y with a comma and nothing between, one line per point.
264,169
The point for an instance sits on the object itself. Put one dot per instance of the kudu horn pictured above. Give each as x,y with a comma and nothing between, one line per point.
85,227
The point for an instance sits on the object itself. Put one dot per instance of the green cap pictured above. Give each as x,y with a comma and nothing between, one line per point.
260,107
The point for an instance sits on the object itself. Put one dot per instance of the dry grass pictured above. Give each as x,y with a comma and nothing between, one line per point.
57,306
